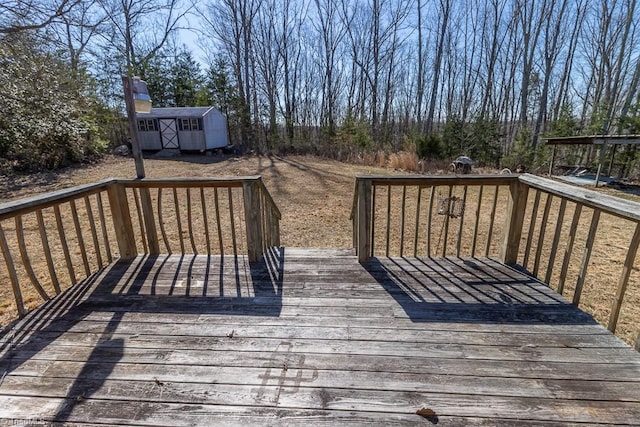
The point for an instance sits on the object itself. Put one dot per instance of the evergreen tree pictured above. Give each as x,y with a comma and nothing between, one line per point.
186,79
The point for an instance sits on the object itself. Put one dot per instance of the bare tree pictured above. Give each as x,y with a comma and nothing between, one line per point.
331,32
230,22
22,15
79,28
555,35
142,27
444,12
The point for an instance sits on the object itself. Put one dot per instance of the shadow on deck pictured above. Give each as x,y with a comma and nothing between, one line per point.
470,290
184,284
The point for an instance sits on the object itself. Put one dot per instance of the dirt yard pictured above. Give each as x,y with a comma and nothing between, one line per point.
315,197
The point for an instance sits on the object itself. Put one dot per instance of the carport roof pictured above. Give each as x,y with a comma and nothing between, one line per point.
594,139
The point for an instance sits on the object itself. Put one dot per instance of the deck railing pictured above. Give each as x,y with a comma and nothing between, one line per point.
429,216
51,241
547,227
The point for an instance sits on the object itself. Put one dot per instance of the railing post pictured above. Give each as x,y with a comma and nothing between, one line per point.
252,209
363,220
517,204
122,221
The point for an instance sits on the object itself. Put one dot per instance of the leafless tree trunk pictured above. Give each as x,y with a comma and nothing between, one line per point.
554,37
444,12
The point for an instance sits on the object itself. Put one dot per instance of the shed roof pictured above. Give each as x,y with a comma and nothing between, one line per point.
177,112
594,139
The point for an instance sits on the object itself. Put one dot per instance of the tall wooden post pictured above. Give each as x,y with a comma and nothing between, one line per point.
252,213
127,85
363,222
517,204
145,197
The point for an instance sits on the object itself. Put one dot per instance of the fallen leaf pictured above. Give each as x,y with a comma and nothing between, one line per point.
426,412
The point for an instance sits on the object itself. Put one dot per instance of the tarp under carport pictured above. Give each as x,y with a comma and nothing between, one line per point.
602,141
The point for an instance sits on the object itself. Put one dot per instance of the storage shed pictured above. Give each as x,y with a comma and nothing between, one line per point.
183,128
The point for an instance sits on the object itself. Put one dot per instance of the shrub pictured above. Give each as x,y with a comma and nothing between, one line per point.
47,121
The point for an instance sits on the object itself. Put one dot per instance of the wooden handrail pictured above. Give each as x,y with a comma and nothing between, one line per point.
95,223
189,182
593,199
364,236
34,203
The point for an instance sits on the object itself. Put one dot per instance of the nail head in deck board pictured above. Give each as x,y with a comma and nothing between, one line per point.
370,355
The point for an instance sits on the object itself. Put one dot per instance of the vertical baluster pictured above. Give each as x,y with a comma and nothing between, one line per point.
415,236
445,226
163,231
543,230
402,215
477,222
265,225
233,225
556,240
205,219
140,220
190,222
586,256
46,249
24,256
83,249
94,232
492,219
103,226
432,194
176,205
386,253
13,277
569,248
464,203
219,226
373,218
532,226
624,279
65,245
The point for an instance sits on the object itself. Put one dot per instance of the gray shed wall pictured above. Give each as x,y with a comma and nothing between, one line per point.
215,129
213,135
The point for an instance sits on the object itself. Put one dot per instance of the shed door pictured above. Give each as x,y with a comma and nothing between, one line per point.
169,133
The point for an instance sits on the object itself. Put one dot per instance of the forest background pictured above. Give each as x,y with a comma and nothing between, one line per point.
345,79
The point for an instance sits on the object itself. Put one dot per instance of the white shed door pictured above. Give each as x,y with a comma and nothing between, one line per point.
169,133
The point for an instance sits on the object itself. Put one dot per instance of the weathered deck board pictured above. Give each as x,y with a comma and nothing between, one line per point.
313,337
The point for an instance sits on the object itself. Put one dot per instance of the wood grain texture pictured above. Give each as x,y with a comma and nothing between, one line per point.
308,337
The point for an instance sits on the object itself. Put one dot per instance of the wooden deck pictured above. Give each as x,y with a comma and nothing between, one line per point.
312,337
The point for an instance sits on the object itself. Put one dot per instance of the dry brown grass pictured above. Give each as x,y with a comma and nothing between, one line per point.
315,197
